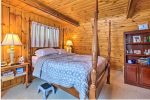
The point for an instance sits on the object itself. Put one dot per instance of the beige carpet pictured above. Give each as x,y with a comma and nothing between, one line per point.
116,90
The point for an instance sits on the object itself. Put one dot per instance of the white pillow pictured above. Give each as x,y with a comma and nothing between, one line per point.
45,51
61,51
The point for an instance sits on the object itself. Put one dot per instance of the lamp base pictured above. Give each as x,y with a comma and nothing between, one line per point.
10,64
11,52
69,49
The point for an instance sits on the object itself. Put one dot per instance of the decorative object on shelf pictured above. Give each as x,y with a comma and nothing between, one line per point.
11,40
143,26
130,39
131,51
145,39
148,61
21,60
137,51
69,46
132,61
136,39
129,62
148,40
147,52
128,52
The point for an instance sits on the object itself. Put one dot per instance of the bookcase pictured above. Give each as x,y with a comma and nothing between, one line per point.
10,73
137,58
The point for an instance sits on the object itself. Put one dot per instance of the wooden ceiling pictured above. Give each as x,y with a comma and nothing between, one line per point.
83,10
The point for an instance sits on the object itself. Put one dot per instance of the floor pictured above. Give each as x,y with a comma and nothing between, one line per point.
116,90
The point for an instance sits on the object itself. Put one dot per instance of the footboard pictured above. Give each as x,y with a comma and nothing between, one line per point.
101,80
97,87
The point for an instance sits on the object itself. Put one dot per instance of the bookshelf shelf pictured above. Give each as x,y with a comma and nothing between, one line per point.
142,43
137,55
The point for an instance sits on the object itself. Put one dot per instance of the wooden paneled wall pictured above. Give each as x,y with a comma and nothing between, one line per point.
17,21
82,36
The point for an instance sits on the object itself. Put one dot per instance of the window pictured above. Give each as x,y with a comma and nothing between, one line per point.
44,36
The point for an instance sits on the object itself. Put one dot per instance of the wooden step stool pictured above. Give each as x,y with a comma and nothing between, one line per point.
46,88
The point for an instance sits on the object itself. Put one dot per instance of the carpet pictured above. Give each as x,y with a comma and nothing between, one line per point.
116,90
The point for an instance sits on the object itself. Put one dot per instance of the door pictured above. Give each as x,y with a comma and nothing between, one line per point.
132,74
144,76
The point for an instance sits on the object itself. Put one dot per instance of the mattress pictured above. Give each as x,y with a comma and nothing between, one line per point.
34,59
100,66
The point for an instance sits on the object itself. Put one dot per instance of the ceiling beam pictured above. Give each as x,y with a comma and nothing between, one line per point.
40,6
131,8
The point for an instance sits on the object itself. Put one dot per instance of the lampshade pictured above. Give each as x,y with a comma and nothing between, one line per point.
69,43
11,39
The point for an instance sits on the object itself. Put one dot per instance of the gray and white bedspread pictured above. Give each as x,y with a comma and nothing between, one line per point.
68,70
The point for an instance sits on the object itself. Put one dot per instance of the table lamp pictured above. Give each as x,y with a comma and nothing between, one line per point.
11,40
69,44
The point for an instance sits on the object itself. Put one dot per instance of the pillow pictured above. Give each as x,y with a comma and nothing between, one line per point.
61,51
45,51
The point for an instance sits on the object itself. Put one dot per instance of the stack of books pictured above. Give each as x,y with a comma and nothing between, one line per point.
7,76
144,61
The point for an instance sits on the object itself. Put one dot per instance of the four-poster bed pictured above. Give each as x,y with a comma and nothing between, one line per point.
96,81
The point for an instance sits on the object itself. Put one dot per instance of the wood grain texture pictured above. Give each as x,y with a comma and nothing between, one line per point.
17,21
92,91
131,8
82,41
49,10
82,10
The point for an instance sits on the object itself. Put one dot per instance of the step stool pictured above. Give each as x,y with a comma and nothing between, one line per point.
46,88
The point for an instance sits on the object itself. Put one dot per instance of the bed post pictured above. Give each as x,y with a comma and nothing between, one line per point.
29,43
109,52
30,50
62,39
92,91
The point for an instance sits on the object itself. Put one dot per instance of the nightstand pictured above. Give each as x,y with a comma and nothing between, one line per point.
12,72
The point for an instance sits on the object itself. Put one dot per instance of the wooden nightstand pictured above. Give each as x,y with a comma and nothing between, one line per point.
13,70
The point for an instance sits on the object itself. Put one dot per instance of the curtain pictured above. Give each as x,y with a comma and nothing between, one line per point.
44,36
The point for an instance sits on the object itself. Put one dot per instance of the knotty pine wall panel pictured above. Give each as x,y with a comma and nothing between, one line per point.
17,21
82,36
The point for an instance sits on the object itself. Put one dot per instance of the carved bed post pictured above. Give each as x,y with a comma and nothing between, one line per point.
63,38
92,91
109,52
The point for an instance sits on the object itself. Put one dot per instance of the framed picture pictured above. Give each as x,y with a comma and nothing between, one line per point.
137,51
136,39
143,26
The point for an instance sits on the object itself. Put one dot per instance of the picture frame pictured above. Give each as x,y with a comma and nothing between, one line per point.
143,26
136,39
137,51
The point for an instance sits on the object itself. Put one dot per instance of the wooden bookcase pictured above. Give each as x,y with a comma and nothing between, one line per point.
135,72
13,68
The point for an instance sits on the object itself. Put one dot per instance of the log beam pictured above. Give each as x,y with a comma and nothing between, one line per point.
131,8
92,92
40,6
